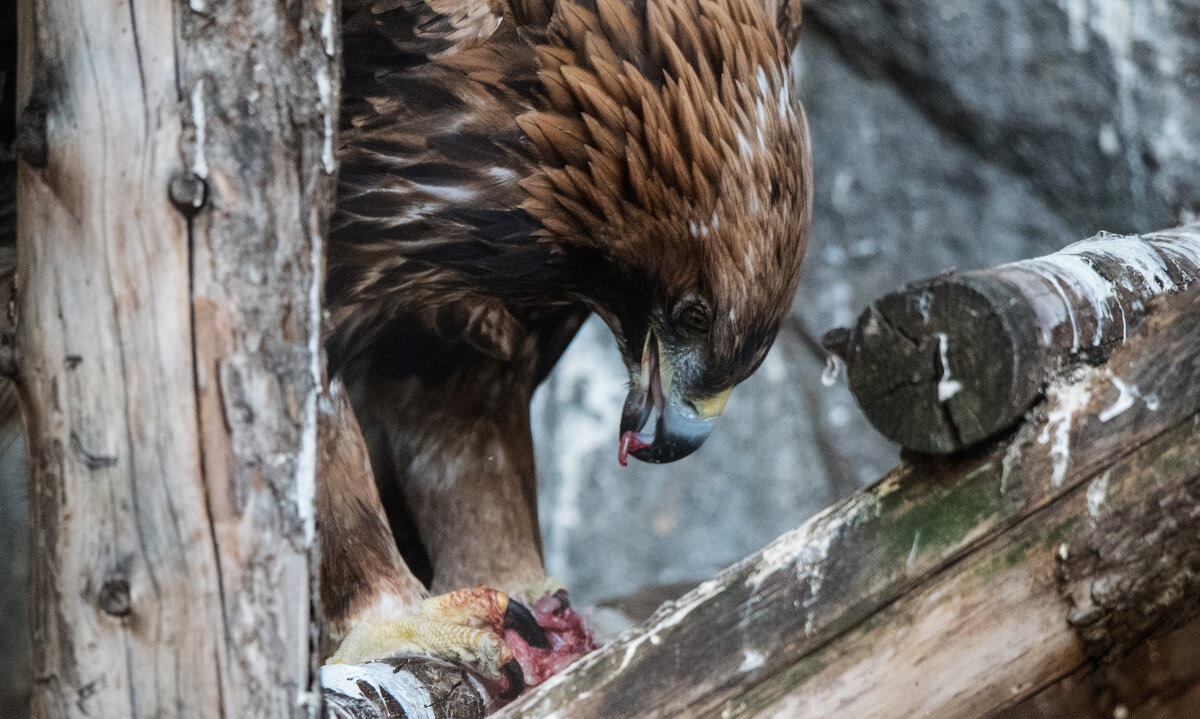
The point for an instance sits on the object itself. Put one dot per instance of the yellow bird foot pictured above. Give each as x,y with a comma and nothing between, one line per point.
466,626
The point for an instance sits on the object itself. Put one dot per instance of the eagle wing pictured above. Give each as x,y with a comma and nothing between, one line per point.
429,202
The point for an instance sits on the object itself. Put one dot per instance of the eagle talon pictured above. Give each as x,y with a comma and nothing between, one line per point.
518,618
515,675
567,633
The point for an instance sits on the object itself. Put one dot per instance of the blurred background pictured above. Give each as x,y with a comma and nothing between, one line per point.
945,134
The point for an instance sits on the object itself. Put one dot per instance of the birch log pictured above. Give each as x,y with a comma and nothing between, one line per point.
174,185
953,587
409,687
950,362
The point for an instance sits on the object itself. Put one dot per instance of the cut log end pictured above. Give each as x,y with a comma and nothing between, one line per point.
949,363
942,367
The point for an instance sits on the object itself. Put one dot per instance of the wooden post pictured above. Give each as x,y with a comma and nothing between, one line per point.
953,587
174,189
950,362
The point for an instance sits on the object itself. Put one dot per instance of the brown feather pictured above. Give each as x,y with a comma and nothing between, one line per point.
594,101
623,31
604,140
597,50
558,93
613,82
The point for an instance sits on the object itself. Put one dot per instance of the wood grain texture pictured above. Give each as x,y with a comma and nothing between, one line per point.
942,590
1159,679
171,351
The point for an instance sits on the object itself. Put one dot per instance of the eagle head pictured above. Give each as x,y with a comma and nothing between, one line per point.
674,180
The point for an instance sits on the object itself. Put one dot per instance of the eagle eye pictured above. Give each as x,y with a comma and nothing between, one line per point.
693,315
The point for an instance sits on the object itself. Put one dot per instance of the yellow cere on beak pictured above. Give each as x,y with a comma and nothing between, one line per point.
711,407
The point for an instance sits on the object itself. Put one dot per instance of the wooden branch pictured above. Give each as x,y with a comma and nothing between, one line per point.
170,332
948,363
954,587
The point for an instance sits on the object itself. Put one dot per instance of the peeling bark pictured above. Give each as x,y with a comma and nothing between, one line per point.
410,687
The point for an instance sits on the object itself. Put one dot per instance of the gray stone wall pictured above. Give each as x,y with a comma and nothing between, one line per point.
945,134
1093,101
14,567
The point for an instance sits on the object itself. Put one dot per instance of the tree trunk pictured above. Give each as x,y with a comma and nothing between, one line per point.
175,183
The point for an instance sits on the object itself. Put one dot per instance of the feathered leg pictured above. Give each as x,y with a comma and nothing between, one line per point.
459,456
374,605
361,568
450,442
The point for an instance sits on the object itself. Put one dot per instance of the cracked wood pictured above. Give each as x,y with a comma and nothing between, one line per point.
170,360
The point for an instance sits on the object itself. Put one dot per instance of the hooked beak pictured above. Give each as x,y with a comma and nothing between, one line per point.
681,425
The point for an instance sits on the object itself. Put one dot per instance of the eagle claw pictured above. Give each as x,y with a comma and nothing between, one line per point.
465,626
515,675
519,619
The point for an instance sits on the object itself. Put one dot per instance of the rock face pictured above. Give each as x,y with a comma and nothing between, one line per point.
14,566
1093,101
944,135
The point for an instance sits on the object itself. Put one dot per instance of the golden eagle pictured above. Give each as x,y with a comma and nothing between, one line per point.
508,168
